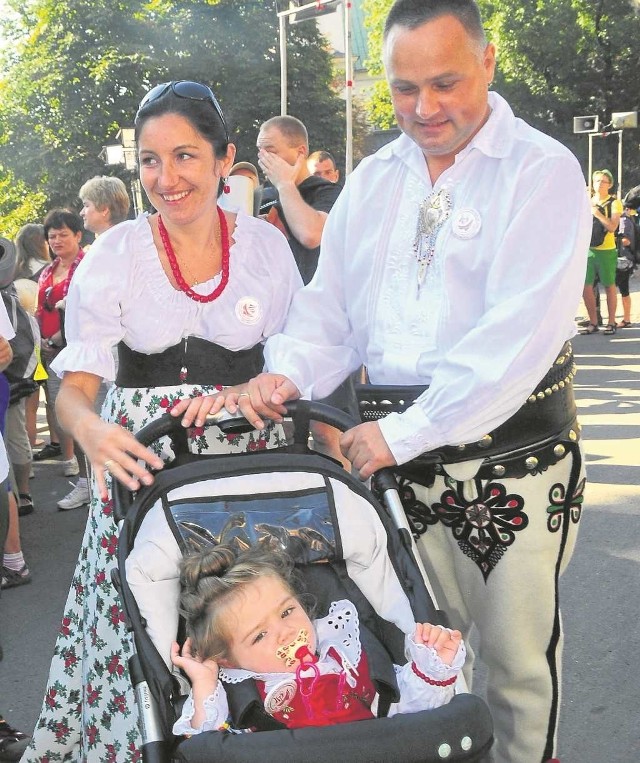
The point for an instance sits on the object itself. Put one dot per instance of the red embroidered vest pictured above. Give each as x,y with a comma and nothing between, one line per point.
321,701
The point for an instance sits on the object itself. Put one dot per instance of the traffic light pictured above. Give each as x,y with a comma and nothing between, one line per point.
585,124
312,9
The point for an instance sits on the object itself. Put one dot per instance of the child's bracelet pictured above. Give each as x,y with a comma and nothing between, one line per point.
432,681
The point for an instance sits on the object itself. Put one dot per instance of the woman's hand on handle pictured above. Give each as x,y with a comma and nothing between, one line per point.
110,448
194,410
260,398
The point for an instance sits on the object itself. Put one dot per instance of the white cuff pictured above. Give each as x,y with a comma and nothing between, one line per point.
216,710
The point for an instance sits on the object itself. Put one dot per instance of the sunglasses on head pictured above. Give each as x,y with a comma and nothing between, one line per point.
192,91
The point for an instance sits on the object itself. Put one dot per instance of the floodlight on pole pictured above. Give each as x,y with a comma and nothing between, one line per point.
623,120
112,155
301,10
127,136
124,153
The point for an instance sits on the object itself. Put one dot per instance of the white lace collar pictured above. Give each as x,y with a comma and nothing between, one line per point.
339,630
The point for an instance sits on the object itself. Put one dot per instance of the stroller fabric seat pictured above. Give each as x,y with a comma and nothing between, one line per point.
344,544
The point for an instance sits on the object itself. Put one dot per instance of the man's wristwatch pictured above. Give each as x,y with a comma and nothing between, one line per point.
51,343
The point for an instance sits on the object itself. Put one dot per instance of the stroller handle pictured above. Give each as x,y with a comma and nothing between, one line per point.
301,412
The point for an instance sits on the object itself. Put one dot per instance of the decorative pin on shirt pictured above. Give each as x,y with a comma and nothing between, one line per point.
248,311
466,223
432,215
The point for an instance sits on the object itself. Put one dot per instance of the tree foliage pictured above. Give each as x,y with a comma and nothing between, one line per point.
75,70
556,59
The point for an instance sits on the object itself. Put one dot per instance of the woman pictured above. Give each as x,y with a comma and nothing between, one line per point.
105,203
32,252
32,256
627,249
63,231
603,257
185,293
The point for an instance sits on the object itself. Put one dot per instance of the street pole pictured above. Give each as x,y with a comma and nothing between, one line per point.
348,76
316,5
590,162
620,164
283,62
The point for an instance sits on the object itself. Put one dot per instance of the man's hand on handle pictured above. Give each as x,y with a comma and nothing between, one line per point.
260,398
367,449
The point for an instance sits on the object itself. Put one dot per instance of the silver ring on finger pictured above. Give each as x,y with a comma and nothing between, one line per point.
107,465
244,394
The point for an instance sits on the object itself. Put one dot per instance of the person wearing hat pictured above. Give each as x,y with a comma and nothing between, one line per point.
7,261
248,170
244,192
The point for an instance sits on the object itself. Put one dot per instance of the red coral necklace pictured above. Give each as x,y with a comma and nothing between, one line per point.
175,268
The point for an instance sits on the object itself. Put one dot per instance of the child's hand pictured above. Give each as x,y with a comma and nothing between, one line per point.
444,641
203,674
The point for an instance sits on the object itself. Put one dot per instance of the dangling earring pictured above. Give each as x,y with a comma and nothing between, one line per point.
226,188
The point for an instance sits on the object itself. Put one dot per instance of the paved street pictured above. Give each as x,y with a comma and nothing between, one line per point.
600,591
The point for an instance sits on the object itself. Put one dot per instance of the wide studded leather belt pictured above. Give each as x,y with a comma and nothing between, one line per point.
538,435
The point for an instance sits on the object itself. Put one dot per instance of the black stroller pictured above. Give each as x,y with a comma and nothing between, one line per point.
345,544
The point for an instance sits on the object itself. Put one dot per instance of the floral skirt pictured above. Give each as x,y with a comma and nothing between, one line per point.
88,713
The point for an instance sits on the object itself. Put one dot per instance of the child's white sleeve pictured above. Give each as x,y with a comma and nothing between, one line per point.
425,682
216,710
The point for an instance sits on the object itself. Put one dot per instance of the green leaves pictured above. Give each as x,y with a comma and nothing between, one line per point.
75,70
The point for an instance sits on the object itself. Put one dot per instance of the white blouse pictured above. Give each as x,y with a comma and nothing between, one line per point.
497,303
121,292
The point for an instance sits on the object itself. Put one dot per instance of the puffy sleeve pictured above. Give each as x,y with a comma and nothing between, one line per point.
418,679
316,348
93,318
216,709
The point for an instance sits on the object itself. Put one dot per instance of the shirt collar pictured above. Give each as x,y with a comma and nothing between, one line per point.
495,138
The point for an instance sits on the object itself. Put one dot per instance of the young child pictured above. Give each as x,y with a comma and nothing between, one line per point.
244,620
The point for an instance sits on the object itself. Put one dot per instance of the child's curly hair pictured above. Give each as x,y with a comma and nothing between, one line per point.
211,579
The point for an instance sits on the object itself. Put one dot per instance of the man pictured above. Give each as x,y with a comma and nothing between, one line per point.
302,200
454,260
323,165
300,208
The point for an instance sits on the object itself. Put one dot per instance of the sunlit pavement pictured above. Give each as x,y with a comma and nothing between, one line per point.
600,592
